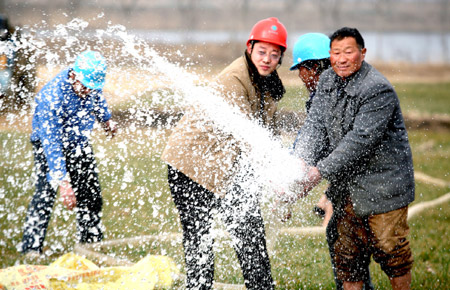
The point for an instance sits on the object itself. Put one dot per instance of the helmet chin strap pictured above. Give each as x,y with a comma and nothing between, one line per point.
253,44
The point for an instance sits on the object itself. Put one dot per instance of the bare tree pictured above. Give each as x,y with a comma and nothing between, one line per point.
330,13
445,23
244,13
127,6
73,5
2,7
187,9
382,10
290,10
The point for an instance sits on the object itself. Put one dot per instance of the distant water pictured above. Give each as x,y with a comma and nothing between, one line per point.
389,46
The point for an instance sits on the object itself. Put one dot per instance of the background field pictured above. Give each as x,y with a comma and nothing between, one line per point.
138,203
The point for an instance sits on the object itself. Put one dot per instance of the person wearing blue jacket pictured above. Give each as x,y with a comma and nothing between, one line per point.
66,110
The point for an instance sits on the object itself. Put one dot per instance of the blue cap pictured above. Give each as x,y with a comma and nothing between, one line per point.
310,46
90,69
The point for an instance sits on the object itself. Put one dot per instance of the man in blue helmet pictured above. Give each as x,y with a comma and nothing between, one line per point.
311,57
66,109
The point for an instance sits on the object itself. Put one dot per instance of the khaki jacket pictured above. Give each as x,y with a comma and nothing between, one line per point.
204,153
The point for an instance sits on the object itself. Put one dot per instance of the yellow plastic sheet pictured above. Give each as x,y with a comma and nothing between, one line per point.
71,271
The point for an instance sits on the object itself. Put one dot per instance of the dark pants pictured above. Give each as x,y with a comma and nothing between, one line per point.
332,236
242,217
82,170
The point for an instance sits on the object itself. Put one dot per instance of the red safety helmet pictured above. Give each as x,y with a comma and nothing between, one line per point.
269,30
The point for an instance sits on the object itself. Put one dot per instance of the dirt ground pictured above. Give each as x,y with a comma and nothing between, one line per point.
117,91
214,57
209,59
405,72
394,72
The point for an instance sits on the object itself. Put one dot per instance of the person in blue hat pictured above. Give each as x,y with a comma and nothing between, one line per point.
65,113
311,57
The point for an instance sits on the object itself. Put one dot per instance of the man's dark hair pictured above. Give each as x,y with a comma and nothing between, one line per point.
348,32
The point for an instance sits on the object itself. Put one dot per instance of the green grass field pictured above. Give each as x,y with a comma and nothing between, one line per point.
137,202
429,98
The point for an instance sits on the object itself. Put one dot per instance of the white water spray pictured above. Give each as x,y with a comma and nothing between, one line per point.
275,168
135,69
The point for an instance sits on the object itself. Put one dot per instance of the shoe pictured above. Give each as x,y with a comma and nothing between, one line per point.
318,211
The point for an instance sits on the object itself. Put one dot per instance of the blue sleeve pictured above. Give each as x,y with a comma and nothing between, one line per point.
50,130
101,109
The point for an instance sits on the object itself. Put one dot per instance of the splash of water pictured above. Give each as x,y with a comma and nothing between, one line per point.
275,167
136,70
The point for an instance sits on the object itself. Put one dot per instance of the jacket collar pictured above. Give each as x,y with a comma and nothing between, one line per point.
351,84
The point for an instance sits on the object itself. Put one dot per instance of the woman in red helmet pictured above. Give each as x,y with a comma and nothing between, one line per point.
203,161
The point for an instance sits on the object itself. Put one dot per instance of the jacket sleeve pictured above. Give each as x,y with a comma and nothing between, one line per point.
235,93
377,103
101,110
50,109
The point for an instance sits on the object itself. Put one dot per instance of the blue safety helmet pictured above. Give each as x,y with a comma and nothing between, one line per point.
90,69
310,46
